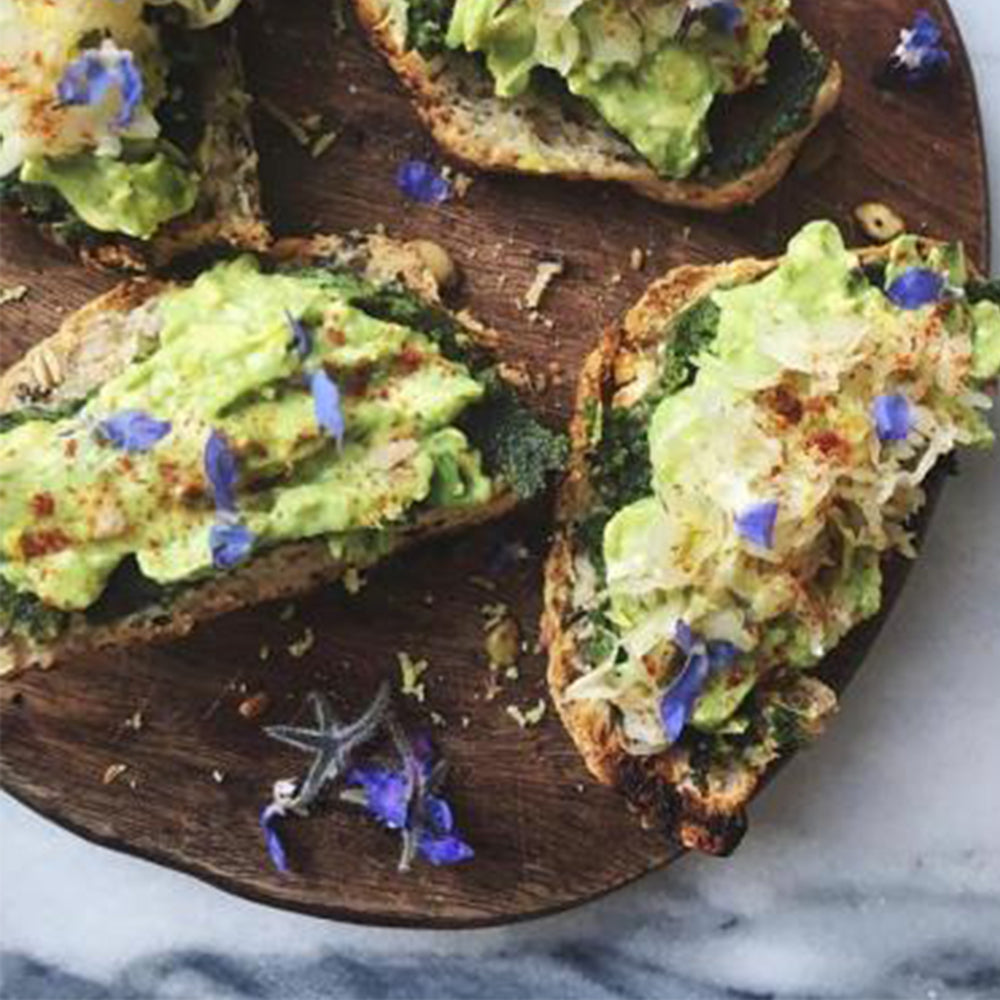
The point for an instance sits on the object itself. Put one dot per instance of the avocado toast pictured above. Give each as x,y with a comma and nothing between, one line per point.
748,447
123,128
177,451
687,107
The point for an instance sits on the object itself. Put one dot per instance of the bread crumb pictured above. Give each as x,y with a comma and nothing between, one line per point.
254,707
465,722
338,19
323,143
503,638
353,580
528,717
515,375
546,272
264,653
135,721
302,645
294,127
411,671
438,720
112,773
637,258
492,613
13,293
218,776
460,182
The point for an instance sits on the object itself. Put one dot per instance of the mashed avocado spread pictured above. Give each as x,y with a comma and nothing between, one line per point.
780,473
115,195
225,360
650,70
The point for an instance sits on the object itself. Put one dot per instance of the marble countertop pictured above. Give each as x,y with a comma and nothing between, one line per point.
871,869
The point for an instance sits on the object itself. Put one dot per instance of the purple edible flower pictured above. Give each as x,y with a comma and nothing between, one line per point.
221,471
301,337
920,55
915,288
891,414
132,430
94,73
230,544
418,179
678,700
756,523
326,404
406,800
275,847
722,15
386,793
702,658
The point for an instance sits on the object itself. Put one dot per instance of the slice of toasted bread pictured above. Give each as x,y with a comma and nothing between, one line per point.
228,210
700,809
99,340
538,134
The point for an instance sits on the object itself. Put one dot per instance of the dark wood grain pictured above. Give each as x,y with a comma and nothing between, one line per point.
546,837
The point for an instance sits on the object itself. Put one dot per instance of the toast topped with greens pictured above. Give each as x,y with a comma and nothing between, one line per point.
177,451
749,445
123,128
699,104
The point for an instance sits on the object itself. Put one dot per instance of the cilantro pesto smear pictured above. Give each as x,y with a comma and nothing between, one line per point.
270,408
782,457
96,123
651,70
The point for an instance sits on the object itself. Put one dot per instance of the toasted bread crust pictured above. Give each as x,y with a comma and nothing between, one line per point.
95,343
659,788
530,136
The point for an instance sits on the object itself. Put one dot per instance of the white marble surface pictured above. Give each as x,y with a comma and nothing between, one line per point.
872,868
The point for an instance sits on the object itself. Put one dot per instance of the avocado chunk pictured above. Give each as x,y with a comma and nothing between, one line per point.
116,195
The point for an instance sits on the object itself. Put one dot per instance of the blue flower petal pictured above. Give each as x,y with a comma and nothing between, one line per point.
133,430
685,637
130,85
272,839
916,287
447,850
301,337
756,523
678,701
722,15
90,77
920,54
438,815
721,654
221,471
230,544
892,417
386,793
418,180
326,404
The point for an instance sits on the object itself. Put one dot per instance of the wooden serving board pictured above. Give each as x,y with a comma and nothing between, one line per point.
546,837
